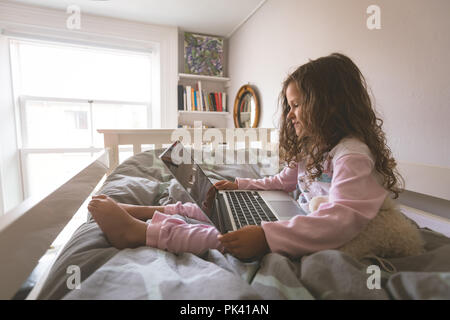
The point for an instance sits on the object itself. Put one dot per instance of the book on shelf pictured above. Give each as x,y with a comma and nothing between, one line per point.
224,100
199,88
213,101
205,105
210,106
218,97
194,98
180,97
188,105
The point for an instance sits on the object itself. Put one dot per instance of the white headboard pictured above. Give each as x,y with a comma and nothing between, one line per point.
113,138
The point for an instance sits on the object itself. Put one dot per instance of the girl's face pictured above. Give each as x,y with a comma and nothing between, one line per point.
293,98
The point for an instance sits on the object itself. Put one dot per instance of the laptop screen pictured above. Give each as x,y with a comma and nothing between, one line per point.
181,163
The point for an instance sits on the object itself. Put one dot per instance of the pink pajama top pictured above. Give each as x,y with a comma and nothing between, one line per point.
349,180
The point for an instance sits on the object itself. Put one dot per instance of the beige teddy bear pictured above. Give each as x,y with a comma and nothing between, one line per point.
390,234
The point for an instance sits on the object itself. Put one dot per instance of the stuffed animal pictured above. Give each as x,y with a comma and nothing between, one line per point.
390,234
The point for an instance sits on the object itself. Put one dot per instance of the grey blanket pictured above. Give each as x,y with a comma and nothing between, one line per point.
150,273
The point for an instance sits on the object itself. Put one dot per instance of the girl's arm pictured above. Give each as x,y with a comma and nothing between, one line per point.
187,209
141,212
355,198
286,180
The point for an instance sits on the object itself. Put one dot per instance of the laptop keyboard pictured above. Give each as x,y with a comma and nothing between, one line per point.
248,208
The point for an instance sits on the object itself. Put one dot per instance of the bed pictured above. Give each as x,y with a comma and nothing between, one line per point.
149,273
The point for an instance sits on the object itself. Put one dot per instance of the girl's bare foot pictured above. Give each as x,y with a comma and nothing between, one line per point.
120,228
130,208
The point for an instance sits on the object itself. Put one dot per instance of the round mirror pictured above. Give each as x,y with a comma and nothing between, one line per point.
246,108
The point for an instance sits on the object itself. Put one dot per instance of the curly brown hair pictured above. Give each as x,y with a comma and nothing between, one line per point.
336,104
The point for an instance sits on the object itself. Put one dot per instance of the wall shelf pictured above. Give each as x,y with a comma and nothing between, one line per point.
211,113
202,77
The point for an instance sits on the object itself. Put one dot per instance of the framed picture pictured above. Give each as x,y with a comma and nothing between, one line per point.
203,55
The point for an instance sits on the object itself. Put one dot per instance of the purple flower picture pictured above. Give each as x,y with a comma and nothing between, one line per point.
203,54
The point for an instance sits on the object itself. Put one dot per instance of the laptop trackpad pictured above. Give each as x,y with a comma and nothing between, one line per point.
285,209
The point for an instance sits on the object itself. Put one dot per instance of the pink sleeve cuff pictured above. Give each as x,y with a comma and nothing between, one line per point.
242,183
187,209
154,228
175,235
173,208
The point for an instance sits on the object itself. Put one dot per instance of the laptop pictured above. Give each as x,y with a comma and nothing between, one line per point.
228,210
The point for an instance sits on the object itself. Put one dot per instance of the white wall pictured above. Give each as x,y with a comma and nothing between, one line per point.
405,62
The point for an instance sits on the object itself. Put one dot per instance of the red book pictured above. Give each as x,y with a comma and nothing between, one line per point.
216,96
220,101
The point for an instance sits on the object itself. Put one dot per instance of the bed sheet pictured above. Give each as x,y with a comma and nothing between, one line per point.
150,273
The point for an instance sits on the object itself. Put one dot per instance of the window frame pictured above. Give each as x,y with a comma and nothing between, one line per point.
30,22
21,100
23,116
26,150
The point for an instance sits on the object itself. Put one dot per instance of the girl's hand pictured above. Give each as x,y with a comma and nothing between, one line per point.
225,185
248,242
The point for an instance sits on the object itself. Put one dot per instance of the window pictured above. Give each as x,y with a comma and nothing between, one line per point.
76,119
65,93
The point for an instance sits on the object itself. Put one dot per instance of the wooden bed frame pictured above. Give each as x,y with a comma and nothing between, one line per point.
27,231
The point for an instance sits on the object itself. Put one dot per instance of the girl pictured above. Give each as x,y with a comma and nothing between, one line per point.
334,146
